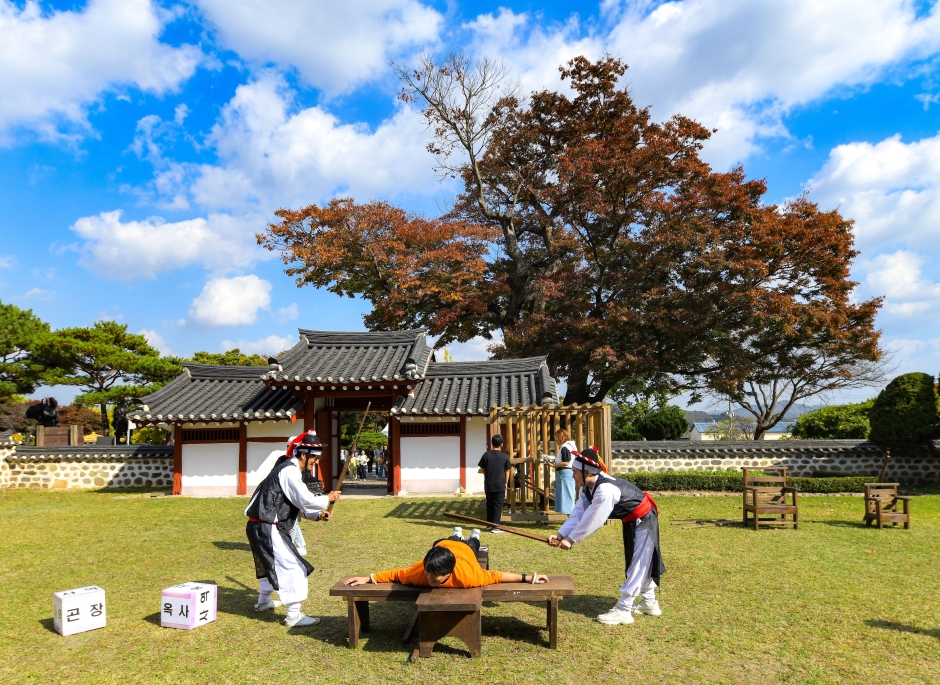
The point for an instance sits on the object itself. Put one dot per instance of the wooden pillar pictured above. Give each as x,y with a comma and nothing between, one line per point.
463,453
242,459
395,443
177,459
324,427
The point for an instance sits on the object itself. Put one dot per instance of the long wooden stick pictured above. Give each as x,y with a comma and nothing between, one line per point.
481,522
342,474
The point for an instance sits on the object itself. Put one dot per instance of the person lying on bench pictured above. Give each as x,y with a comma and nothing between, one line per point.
451,562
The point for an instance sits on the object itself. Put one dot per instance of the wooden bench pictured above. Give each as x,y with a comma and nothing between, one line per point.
432,610
767,494
881,505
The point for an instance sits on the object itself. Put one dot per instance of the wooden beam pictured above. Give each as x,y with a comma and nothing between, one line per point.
395,445
242,488
463,453
178,459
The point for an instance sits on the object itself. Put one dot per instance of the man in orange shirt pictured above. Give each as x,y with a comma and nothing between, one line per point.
451,562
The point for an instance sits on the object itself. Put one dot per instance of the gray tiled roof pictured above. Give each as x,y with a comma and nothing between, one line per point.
475,387
91,452
216,393
337,357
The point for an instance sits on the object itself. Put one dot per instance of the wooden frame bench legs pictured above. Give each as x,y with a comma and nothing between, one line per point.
551,606
358,612
464,625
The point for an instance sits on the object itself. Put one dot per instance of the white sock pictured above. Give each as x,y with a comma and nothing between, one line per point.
293,610
264,597
458,531
475,534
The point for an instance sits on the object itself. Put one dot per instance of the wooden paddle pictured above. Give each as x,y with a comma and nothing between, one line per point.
481,522
342,474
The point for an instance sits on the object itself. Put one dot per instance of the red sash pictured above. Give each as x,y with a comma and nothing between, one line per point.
254,520
642,509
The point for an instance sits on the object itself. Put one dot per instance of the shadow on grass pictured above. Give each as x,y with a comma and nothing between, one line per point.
589,606
232,546
48,624
903,628
434,509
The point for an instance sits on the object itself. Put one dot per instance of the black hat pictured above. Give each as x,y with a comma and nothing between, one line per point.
589,462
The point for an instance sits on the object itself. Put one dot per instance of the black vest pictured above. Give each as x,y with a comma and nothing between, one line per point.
269,503
630,495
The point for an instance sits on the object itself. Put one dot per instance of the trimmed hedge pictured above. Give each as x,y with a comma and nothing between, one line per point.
733,481
906,411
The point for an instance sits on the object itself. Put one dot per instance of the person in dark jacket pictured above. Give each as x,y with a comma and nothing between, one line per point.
495,467
605,497
272,512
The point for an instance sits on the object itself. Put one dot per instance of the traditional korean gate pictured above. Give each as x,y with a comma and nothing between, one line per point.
528,434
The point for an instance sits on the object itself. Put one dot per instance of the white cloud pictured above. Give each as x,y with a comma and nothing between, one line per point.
7,261
334,45
231,301
54,65
37,294
738,65
271,345
156,340
898,277
473,350
270,157
288,313
131,250
891,189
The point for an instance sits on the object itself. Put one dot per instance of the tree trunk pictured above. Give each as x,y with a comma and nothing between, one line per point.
759,432
105,424
577,391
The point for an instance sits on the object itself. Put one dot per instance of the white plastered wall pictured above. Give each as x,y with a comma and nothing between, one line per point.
210,469
430,464
262,455
476,446
274,429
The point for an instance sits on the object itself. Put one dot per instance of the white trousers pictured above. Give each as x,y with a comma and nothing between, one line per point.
639,582
291,575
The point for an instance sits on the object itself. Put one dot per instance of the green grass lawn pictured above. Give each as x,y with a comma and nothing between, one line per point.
833,602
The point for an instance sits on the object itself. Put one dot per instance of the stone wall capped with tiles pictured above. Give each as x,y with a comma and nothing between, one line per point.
92,466
801,457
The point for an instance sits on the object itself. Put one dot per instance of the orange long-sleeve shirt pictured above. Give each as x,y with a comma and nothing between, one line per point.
467,571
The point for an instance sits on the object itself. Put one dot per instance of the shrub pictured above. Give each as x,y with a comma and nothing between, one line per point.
86,417
838,422
733,481
905,412
367,441
666,423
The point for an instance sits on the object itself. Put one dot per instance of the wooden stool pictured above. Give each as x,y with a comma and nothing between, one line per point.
881,505
450,612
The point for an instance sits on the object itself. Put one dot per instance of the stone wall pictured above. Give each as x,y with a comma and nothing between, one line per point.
801,457
91,466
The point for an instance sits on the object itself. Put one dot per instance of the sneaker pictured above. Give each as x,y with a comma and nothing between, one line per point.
493,530
616,617
267,606
458,532
475,533
644,607
301,621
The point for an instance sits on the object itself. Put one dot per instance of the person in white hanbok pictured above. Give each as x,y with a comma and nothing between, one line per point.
605,497
272,512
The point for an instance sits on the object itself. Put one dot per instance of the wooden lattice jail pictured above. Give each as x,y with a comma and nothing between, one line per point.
528,433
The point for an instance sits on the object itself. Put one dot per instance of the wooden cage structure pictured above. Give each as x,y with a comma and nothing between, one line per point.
528,433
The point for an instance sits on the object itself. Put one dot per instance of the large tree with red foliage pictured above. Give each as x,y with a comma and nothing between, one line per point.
586,230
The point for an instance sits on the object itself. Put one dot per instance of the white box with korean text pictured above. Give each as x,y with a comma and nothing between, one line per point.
79,610
188,605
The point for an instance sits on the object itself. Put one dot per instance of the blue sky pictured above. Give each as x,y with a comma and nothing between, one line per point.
142,144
